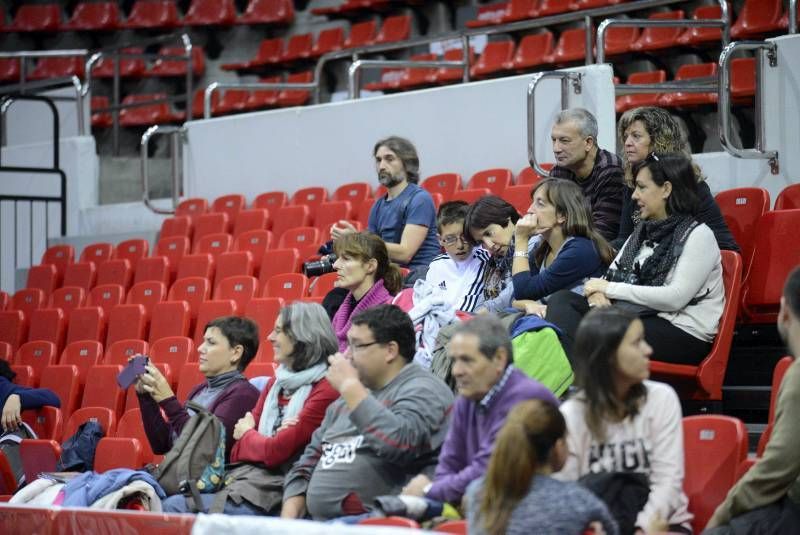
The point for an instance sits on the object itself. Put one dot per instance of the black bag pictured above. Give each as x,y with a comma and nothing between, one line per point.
255,484
625,494
9,446
77,453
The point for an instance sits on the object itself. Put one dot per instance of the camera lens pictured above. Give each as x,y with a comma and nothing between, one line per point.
319,267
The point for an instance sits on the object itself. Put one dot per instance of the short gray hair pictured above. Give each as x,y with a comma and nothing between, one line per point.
491,334
587,124
309,328
404,150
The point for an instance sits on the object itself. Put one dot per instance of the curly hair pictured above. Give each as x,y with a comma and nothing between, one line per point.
666,136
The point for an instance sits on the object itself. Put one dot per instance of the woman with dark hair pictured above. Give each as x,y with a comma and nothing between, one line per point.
16,398
363,268
568,249
669,271
642,131
288,411
618,421
517,491
229,344
490,222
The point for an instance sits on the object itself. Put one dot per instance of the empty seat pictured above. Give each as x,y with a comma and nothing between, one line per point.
129,67
743,80
173,249
13,328
37,354
287,286
271,200
229,204
288,217
192,207
24,375
518,196
9,69
36,18
233,263
757,17
86,323
320,286
152,269
80,274
106,296
280,261
533,50
102,390
189,378
571,47
470,195
488,15
354,192
38,455
328,40
196,265
263,98
193,290
131,426
126,321
6,353
239,288
94,16
658,38
296,97
46,422
448,75
210,12
209,311
619,40
132,250
104,416
48,324
788,198
554,7
255,242
27,300
495,180
213,244
329,213
97,252
298,47
174,351
118,452
742,209
82,354
445,183
212,223
269,52
64,381
175,227
144,110
300,237
60,256
153,14
361,34
123,350
268,12
695,71
43,277
116,271
395,28
627,102
311,197
697,36
170,318
254,219
264,311
494,59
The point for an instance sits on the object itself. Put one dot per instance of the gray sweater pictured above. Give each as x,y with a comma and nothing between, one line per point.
374,450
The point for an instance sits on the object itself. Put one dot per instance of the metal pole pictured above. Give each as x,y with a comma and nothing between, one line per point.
587,22
115,102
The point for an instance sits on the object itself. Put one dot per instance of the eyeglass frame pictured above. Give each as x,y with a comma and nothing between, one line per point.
451,240
354,348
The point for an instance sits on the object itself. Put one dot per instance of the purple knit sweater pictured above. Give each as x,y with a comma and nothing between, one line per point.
377,295
468,446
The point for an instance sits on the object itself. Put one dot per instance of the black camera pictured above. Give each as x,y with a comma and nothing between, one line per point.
622,275
319,267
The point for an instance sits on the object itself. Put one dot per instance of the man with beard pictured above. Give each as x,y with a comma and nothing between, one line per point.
405,218
767,498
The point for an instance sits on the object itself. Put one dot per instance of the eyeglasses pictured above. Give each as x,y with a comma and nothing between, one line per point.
451,240
353,348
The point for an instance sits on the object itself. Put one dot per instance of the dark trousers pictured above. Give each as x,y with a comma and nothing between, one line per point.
566,309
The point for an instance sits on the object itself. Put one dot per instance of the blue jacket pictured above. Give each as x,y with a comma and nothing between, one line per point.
30,398
87,488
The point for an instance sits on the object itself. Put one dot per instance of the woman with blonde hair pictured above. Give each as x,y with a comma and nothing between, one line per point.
363,268
517,494
647,130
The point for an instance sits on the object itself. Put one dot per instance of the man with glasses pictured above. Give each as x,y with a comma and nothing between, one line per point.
488,386
598,172
459,272
388,425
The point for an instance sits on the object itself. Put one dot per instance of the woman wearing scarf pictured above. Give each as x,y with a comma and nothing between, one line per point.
363,268
668,272
289,410
229,344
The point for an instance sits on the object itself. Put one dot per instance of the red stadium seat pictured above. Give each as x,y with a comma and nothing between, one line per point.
742,209
260,369
60,256
697,36
209,311
397,521
254,219
152,269
488,14
288,286
64,381
132,250
533,50
122,350
445,183
97,252
288,217
296,97
210,12
175,351
756,18
106,296
27,300
126,321
298,47
129,67
554,7
37,354
264,311
268,12
146,112
448,75
38,455
36,18
170,318
363,212
300,237
196,265
280,261
328,40
494,58
82,354
395,28
311,197
46,422
131,426
229,204
13,328
619,40
5,299
102,390
256,242
777,379
153,14
320,286
9,69
269,52
627,102
177,67
238,288
714,448
117,452
24,375
470,195
412,77
86,323
571,47
788,198
175,227
776,253
271,200
6,353
660,38
706,379
212,223
329,213
190,377
94,16
233,263
355,193
49,325
43,277
117,271
457,527
213,244
743,80
104,416
264,98
689,72
80,274
361,34
495,180
193,290
192,207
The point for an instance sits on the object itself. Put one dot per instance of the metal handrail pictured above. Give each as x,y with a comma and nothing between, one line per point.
759,152
215,86
792,16
722,23
26,88
566,77
175,133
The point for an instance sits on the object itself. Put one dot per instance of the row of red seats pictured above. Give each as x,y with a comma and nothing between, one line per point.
148,112
148,14
271,52
755,18
350,8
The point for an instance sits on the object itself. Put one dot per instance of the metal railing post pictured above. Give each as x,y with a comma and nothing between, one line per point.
792,16
587,22
175,151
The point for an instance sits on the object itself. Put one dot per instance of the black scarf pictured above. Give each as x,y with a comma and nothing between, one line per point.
664,235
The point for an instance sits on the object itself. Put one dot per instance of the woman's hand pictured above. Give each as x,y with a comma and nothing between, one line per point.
598,300
155,384
531,307
595,285
245,424
12,417
525,228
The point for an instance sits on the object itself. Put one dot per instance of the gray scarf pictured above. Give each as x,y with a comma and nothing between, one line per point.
296,384
216,385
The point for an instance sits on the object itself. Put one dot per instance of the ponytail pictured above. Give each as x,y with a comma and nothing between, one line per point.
522,449
392,279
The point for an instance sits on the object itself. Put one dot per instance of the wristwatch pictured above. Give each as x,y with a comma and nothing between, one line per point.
521,254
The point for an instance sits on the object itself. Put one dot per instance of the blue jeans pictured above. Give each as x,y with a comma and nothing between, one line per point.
181,504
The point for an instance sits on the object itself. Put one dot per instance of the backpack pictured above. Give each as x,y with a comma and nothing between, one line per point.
77,453
9,446
196,461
